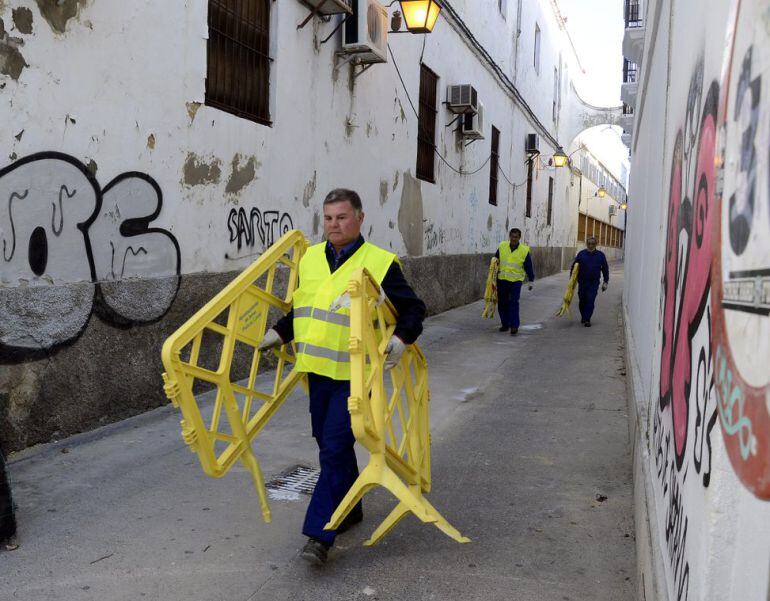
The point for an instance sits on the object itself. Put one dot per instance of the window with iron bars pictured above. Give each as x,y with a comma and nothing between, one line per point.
528,206
628,109
494,163
426,126
238,70
629,71
633,13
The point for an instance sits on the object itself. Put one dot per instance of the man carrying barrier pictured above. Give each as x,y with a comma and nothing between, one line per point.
322,334
592,264
515,264
351,317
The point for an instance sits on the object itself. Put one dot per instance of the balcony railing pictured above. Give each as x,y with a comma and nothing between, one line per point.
633,14
630,71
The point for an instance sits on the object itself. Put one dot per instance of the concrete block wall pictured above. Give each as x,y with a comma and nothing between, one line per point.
697,302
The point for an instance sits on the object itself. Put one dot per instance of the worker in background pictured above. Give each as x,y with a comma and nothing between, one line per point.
593,264
319,324
515,263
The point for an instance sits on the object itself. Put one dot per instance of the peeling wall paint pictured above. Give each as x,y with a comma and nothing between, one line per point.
199,172
22,19
241,175
310,190
410,215
12,62
58,13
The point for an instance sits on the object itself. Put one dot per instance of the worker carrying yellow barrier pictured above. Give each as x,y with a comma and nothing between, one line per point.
490,291
322,336
569,292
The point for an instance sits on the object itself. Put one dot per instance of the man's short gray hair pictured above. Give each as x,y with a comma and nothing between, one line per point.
343,195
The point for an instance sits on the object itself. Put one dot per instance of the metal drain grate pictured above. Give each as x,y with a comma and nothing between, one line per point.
298,479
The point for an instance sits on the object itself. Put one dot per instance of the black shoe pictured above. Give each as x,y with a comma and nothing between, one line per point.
587,324
514,331
583,321
315,552
350,520
503,329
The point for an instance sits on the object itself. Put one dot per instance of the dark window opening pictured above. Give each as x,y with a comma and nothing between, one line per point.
537,49
550,201
528,211
494,163
426,125
238,70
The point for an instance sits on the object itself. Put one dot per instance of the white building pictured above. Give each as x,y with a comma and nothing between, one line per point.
155,148
697,297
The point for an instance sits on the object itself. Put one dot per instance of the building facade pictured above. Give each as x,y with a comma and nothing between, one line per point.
697,297
155,149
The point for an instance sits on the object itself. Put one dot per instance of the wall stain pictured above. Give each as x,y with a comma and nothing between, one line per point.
58,12
316,223
19,135
383,191
192,110
92,167
410,216
198,172
402,114
395,180
12,62
241,175
489,223
310,189
22,19
151,141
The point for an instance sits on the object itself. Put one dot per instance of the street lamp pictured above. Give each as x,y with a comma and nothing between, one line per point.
601,192
560,159
420,15
623,206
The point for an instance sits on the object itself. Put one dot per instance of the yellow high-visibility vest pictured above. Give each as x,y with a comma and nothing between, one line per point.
321,327
512,262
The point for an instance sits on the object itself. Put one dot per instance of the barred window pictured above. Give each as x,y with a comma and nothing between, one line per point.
426,126
238,73
494,161
550,201
528,209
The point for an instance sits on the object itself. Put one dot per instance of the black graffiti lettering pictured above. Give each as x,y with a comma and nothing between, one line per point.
62,190
14,195
267,226
38,251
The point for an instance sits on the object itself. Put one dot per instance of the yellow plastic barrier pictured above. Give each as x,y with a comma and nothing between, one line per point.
490,293
569,292
237,315
390,421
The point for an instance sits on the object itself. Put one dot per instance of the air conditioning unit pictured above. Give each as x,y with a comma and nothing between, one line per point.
532,144
462,99
329,7
613,210
473,124
365,33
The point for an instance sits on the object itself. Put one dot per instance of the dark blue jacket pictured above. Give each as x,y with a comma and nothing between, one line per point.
592,265
411,310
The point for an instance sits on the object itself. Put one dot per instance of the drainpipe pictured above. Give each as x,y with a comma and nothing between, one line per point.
516,43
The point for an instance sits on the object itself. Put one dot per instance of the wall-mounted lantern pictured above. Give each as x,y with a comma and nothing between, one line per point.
623,206
601,192
420,15
560,159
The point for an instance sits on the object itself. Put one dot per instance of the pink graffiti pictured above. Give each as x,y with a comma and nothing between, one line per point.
687,268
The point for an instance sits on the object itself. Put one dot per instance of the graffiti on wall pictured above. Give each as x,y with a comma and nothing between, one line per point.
741,273
71,247
255,227
686,412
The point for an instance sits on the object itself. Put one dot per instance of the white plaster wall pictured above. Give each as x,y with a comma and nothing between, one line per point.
119,87
709,525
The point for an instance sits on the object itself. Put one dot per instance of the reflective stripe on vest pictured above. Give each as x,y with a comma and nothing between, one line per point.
323,335
512,262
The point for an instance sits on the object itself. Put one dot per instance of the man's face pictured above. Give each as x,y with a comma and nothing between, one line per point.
342,223
591,244
515,238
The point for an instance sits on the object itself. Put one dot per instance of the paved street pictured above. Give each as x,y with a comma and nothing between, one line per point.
530,460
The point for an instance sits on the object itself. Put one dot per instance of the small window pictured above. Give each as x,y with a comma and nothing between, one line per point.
528,210
550,201
537,49
494,163
238,62
426,126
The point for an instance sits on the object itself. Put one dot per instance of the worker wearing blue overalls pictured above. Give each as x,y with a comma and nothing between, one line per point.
319,324
515,263
592,264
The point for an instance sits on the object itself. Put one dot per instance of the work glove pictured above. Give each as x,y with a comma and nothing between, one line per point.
604,287
530,287
393,352
271,340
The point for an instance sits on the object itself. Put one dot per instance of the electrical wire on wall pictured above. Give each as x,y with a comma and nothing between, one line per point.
440,156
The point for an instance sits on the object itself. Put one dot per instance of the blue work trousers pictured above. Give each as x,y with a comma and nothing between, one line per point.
587,294
331,428
508,294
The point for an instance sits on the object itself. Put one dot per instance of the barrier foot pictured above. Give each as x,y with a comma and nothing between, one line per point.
388,524
252,465
366,480
445,526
